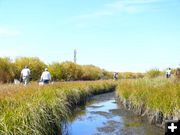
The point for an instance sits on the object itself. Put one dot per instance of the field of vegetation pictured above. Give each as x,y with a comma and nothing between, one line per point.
159,94
65,71
41,110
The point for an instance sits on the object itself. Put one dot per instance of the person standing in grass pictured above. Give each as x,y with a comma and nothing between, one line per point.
168,73
25,75
46,76
115,76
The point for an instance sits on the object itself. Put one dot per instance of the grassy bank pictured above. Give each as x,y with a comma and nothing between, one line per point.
41,110
155,94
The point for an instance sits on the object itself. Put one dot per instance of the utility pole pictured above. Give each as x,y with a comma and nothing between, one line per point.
75,52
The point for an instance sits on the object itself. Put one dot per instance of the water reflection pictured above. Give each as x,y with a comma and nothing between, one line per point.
103,116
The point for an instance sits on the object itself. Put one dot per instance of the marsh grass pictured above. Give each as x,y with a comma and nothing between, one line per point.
153,73
41,110
156,94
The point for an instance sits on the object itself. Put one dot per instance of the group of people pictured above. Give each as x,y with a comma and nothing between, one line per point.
46,76
177,73
26,73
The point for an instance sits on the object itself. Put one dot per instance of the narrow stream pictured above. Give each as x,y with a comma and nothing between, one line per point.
103,116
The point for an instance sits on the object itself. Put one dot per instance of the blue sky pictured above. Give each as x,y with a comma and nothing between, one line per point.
118,35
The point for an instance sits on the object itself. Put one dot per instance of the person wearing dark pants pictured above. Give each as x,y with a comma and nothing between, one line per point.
168,73
46,77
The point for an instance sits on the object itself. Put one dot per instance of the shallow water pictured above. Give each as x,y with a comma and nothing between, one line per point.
103,116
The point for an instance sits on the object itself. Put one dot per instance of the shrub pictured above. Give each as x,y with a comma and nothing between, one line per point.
177,73
35,65
139,75
6,70
54,69
128,75
67,71
70,71
153,73
91,72
107,75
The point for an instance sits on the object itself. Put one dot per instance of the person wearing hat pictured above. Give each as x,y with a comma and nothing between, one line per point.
25,74
46,76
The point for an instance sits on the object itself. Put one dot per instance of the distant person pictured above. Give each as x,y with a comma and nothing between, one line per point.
115,76
25,75
168,73
46,77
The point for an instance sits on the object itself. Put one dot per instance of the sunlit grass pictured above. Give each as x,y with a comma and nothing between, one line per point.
40,110
158,94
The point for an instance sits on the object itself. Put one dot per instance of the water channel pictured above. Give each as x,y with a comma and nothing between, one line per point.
102,115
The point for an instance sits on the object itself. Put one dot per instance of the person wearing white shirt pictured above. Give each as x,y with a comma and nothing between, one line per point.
46,76
168,73
25,74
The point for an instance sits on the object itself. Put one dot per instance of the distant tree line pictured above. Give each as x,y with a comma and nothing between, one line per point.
65,71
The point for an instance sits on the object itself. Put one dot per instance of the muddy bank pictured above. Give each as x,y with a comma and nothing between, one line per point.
154,117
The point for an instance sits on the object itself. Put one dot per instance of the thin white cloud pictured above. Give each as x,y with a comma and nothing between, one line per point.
126,6
6,32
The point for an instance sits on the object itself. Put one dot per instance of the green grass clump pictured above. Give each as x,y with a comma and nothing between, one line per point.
41,110
153,73
157,94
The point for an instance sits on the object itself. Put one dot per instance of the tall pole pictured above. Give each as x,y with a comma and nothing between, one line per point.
75,52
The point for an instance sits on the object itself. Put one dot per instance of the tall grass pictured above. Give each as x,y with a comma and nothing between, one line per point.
157,94
153,73
41,110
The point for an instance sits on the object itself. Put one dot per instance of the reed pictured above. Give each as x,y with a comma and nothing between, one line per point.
158,94
42,110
